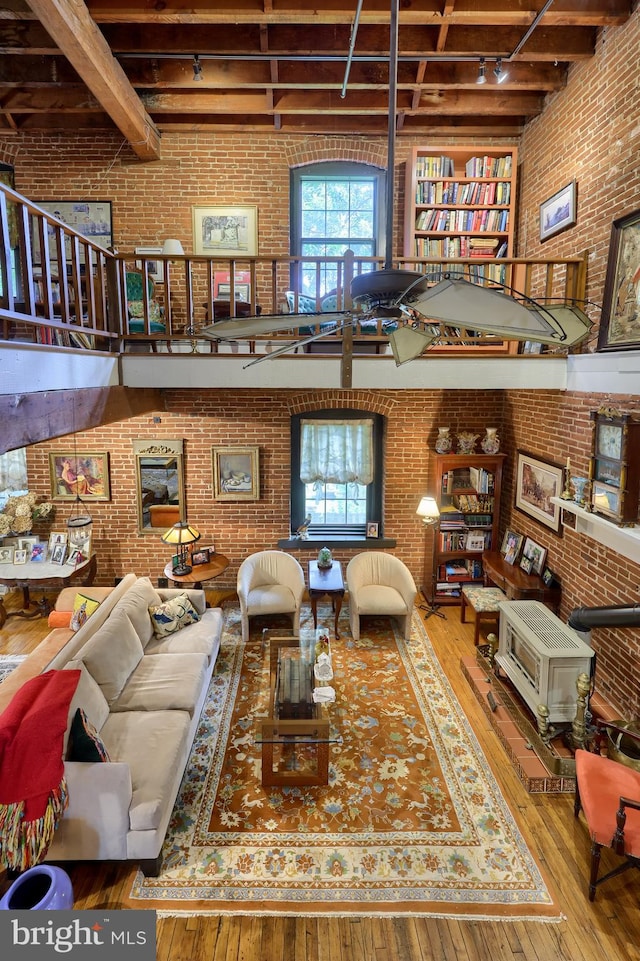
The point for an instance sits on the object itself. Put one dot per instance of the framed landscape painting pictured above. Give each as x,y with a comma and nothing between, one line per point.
558,212
537,481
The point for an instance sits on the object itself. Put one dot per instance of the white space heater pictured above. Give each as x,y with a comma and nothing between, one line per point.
542,657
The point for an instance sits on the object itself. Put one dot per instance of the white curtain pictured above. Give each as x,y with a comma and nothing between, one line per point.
336,451
13,470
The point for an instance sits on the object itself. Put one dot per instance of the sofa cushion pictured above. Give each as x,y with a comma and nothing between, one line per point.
170,682
83,608
200,638
136,603
137,738
173,615
380,599
88,695
112,654
85,744
59,618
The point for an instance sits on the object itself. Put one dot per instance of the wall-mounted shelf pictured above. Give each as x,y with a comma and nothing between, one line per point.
624,540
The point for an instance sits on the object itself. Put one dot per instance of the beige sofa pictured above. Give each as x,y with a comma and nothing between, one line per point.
144,695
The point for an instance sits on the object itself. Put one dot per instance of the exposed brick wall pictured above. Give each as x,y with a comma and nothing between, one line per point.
589,131
217,418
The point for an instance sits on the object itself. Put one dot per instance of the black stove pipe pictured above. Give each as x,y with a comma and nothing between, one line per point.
583,619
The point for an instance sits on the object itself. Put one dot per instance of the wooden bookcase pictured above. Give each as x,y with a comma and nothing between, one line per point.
467,489
460,202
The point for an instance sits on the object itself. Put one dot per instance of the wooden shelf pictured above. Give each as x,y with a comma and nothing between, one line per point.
438,556
622,540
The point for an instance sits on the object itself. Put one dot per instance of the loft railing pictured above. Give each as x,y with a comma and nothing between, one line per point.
60,289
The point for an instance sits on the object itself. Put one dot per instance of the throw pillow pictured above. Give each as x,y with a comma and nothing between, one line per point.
83,608
59,618
173,615
85,742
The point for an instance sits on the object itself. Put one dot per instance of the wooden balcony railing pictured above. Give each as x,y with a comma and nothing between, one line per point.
60,289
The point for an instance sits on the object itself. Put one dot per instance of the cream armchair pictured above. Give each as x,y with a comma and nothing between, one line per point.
270,582
379,584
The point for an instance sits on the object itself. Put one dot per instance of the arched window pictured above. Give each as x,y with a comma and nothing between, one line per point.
337,471
335,206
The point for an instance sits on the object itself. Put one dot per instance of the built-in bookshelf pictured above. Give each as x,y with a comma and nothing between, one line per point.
468,494
461,203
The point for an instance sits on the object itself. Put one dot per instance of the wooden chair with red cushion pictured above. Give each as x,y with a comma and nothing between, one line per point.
608,793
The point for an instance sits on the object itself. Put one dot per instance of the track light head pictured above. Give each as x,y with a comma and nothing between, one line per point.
481,72
500,74
197,67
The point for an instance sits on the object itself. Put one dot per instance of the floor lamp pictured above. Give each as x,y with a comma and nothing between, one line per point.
429,512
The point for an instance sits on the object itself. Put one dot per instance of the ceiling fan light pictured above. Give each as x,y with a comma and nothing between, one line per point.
407,343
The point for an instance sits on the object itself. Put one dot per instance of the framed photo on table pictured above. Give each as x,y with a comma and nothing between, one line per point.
155,267
200,557
19,556
225,231
620,320
533,557
511,544
537,481
6,555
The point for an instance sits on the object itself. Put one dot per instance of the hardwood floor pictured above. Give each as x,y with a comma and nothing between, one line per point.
608,928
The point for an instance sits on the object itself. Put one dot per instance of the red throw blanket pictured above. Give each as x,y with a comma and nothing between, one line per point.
33,790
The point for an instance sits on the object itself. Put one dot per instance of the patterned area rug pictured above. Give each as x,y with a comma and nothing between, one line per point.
8,663
412,819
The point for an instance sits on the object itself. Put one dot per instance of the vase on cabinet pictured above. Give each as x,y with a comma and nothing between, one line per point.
444,443
490,443
467,442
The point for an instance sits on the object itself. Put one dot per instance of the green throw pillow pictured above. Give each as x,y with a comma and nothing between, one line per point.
173,615
85,744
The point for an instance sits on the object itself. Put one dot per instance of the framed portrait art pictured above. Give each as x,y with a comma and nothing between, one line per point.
511,544
620,321
79,475
558,212
225,231
236,473
537,481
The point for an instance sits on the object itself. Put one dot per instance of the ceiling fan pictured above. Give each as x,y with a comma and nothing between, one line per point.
415,309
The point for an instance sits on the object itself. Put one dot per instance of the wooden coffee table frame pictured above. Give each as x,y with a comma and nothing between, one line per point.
292,732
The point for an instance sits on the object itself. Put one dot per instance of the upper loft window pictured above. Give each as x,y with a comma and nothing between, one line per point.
335,207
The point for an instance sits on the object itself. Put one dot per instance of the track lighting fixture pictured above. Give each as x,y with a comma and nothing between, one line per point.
481,72
197,67
500,74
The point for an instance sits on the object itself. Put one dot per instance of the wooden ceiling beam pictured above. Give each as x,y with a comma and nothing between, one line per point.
37,416
412,13
70,25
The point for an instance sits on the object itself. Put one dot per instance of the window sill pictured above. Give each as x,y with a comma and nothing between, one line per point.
354,543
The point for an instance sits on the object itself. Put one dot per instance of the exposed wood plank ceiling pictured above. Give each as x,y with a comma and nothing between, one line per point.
279,65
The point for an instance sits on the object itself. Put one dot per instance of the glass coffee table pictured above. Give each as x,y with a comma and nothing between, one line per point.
296,736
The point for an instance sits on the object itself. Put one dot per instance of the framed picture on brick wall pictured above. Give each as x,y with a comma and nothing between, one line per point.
620,321
537,481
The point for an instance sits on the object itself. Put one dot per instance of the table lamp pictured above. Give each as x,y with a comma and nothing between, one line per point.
181,535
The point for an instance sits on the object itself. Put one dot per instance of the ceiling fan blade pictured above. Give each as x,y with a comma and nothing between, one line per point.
298,343
473,307
247,328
